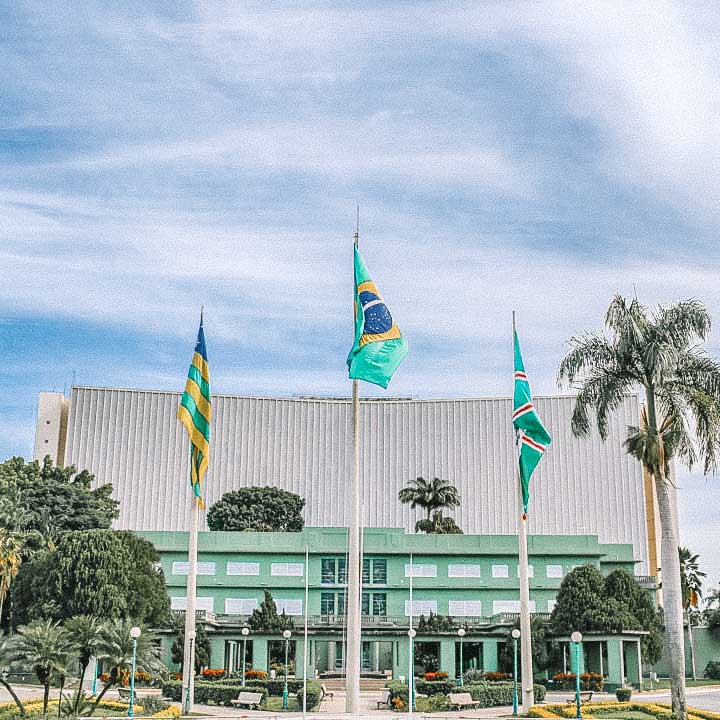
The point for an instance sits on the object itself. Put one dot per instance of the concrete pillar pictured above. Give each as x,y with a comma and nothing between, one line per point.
217,652
615,668
260,653
490,655
632,663
332,654
447,656
376,656
312,670
299,656
403,659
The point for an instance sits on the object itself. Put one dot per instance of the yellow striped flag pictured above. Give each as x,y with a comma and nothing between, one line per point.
194,413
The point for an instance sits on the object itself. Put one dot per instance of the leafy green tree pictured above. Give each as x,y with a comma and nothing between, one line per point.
433,497
544,651
57,499
265,617
32,597
658,352
260,509
47,648
11,547
8,655
202,644
116,652
579,601
433,623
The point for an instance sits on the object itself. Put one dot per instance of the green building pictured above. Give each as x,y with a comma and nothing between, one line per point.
472,579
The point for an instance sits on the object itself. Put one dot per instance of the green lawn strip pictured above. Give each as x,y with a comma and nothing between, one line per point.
665,684
621,715
274,703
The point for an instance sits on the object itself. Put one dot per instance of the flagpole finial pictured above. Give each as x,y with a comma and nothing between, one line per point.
513,315
202,311
356,237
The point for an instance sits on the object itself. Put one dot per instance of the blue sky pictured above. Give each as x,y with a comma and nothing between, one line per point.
531,156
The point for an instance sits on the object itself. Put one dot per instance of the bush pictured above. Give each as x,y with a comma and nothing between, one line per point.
497,676
498,693
623,694
275,687
314,694
256,675
397,690
434,687
592,681
712,670
470,677
211,693
153,704
212,673
437,703
439,675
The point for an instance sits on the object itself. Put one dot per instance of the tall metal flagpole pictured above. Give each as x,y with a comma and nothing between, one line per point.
354,576
526,671
305,631
188,650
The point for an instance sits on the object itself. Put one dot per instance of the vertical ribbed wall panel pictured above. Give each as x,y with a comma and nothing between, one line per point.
132,439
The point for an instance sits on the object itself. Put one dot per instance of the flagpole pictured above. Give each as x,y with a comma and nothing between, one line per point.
354,575
305,630
188,650
526,671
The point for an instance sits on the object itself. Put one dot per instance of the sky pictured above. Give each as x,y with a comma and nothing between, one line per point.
529,156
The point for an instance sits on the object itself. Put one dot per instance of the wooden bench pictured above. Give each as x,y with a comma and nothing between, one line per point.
124,694
384,700
585,697
250,699
461,700
325,694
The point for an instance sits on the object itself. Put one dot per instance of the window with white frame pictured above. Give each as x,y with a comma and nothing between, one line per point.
203,568
294,569
464,571
420,570
551,605
509,606
243,568
465,608
500,571
201,603
554,571
421,607
531,571
289,606
240,606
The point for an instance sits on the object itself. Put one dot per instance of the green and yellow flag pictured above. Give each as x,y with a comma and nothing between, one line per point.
195,412
379,347
531,434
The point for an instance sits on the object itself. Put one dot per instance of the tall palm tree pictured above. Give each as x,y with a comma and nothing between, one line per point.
11,548
116,652
46,647
431,496
691,583
657,352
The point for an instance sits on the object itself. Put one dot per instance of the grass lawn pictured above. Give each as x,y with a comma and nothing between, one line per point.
274,703
665,684
628,715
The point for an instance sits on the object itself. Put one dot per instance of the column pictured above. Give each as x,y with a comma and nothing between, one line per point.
332,655
376,656
447,656
631,657
260,653
299,655
490,655
403,658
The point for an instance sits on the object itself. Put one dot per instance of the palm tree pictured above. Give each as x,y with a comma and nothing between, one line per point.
691,584
657,352
116,652
46,647
11,548
88,633
430,496
8,656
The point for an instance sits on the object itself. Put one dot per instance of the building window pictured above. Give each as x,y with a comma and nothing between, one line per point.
531,571
240,606
465,608
379,604
201,603
510,606
203,568
366,571
243,568
420,570
341,603
421,607
289,606
500,571
288,569
332,571
554,571
365,610
379,573
327,603
464,571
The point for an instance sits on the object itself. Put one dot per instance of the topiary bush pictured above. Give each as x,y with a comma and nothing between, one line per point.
435,687
437,703
623,694
314,695
212,693
712,670
498,693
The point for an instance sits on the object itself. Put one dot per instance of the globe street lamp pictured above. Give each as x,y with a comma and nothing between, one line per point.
286,634
245,632
411,679
135,633
576,637
515,635
461,635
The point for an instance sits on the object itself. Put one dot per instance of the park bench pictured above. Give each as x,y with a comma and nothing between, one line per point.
384,701
250,699
585,697
325,694
461,700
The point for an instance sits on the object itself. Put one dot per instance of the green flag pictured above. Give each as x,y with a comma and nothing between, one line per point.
379,347
532,436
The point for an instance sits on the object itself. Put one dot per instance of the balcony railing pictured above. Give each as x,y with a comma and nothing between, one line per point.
649,582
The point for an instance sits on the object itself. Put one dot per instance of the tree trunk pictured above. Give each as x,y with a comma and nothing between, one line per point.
46,698
692,646
17,700
106,687
672,598
60,696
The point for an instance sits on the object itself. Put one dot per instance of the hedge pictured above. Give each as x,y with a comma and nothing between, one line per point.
435,687
314,694
492,694
207,693
276,686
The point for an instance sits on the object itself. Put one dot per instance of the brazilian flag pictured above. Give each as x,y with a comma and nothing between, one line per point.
194,413
532,436
379,347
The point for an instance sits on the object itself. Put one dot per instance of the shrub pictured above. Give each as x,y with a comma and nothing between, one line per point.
592,681
211,693
256,675
566,681
712,670
497,676
498,693
439,675
434,687
314,693
397,690
276,685
212,673
623,694
153,704
471,677
438,703
398,703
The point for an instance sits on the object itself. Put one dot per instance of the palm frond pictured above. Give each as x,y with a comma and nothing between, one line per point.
602,391
586,352
683,322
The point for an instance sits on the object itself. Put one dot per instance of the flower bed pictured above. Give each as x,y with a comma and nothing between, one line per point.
661,711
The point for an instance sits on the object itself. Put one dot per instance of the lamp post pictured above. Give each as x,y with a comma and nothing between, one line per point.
411,675
286,634
245,632
576,638
191,675
461,635
135,633
515,635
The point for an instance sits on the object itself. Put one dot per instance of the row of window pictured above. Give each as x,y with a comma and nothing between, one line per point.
334,571
372,604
